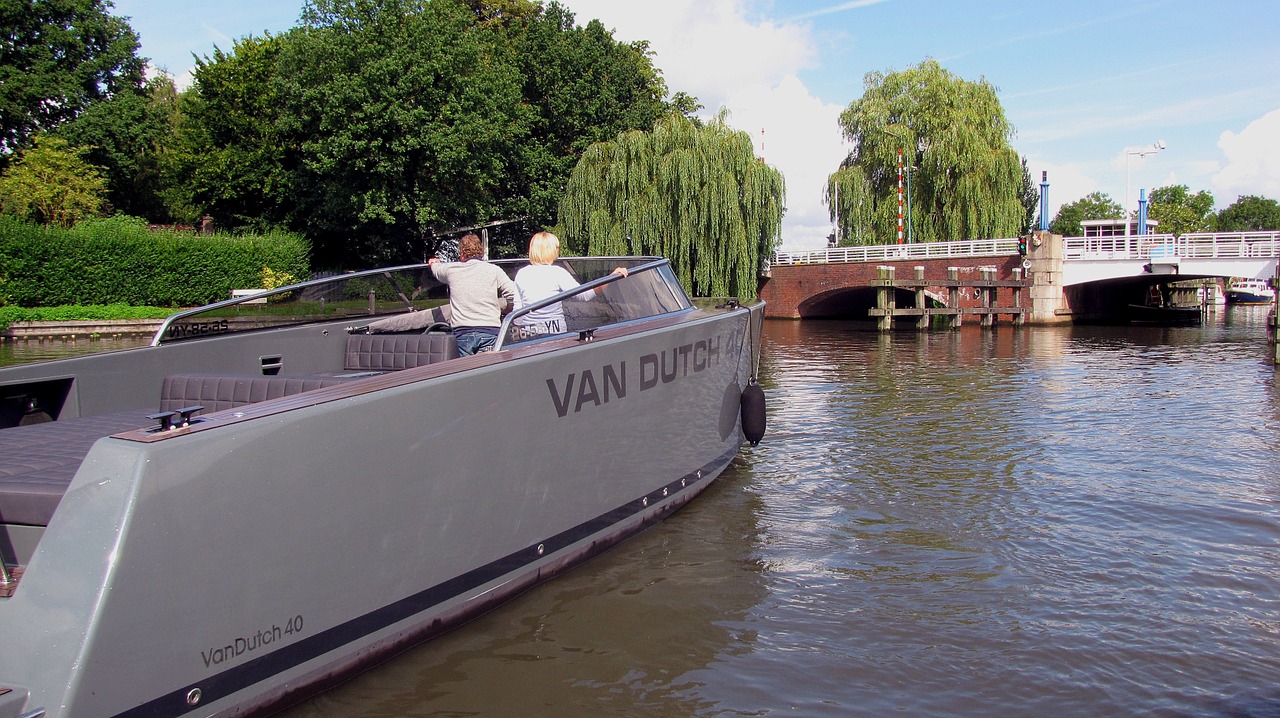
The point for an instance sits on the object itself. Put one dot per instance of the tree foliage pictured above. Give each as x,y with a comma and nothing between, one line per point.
51,184
582,87
406,117
228,149
695,194
1250,213
379,125
57,57
1095,205
1029,198
966,178
1180,212
127,136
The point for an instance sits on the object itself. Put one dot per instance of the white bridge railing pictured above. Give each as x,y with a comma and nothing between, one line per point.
1202,245
1205,245
888,252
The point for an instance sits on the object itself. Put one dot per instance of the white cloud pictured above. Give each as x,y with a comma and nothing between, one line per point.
1252,163
181,81
713,51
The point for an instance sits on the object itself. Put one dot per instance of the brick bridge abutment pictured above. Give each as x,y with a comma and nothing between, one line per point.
848,290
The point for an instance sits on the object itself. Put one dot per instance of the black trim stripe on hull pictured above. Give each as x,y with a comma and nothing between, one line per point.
240,677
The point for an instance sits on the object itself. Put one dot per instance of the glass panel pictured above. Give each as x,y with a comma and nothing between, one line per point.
650,290
359,295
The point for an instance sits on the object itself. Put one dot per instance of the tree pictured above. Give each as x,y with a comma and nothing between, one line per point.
1029,197
233,159
406,119
1180,212
583,87
1095,205
695,194
378,126
57,57
126,135
51,184
1250,213
965,176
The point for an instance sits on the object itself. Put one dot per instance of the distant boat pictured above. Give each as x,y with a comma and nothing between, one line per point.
1211,295
1160,309
1250,291
1167,316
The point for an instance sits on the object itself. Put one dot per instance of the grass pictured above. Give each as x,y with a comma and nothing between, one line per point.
11,314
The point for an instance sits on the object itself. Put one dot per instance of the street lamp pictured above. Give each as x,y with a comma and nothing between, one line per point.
1159,145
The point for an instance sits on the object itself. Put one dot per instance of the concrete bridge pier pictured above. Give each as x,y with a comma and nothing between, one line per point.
1045,257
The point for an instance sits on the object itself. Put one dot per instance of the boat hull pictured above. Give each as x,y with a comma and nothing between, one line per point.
1248,298
272,550
1250,291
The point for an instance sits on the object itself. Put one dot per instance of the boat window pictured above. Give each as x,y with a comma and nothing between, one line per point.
357,296
651,289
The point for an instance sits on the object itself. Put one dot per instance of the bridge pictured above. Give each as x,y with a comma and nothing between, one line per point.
1070,278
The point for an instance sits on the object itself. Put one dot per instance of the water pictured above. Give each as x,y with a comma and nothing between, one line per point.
1058,521
22,351
1072,521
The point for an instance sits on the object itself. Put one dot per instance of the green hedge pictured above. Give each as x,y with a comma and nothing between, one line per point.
121,261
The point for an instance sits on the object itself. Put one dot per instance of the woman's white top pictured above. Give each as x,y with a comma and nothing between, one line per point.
537,282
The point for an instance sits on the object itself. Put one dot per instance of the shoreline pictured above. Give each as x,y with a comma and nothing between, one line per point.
78,330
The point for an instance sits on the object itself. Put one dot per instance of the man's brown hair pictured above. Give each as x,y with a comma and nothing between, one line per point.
470,247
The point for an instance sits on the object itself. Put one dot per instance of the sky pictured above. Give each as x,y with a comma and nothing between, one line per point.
1090,86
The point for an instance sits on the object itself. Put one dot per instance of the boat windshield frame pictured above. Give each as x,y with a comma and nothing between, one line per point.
358,297
381,292
654,280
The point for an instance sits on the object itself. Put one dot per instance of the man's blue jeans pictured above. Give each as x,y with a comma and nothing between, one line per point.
473,342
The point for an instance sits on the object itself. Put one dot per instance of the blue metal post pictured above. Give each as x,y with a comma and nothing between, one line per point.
1044,201
1142,211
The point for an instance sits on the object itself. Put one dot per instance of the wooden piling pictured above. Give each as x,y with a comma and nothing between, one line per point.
922,321
953,296
987,289
885,299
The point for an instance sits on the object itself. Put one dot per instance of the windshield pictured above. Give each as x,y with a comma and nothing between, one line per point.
357,296
360,297
601,299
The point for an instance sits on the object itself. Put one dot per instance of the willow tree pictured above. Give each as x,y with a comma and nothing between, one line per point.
693,193
965,179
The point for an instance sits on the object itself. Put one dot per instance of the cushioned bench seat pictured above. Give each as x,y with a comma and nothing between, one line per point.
391,352
366,354
216,392
39,461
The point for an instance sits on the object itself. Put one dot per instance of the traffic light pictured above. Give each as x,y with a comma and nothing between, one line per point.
1022,246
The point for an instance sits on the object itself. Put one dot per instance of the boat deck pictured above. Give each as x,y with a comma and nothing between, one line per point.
41,459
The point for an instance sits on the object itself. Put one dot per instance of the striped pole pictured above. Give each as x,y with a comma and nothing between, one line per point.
899,195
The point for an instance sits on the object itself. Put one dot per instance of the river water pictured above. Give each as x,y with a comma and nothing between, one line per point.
1072,521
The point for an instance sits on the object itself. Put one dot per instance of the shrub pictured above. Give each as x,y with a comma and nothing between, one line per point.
120,261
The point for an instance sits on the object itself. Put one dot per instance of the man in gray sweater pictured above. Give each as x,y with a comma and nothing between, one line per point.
479,294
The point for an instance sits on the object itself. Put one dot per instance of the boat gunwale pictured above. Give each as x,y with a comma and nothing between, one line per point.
403,377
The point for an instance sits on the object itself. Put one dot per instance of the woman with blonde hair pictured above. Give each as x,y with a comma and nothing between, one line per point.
544,278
